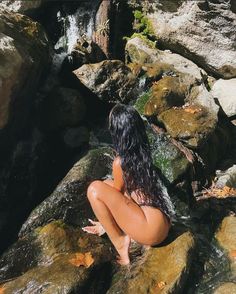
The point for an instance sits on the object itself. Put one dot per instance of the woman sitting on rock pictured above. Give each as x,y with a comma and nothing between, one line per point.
135,205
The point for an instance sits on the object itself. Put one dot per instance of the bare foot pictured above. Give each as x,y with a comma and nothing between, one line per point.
96,228
123,250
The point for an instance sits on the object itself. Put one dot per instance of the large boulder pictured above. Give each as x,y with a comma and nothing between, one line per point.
192,125
139,50
110,80
176,79
225,92
69,201
163,269
52,259
24,53
203,31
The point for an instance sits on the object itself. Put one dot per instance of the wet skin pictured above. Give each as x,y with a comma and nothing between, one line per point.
121,216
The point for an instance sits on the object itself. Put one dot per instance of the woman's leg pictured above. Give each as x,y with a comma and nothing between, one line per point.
120,215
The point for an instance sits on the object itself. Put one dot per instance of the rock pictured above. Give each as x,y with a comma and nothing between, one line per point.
168,92
226,238
103,27
64,107
224,91
192,125
226,178
21,6
167,157
152,64
110,80
76,137
69,201
24,52
226,288
153,273
199,30
140,51
52,259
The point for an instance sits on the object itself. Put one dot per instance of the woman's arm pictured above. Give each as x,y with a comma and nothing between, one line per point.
118,174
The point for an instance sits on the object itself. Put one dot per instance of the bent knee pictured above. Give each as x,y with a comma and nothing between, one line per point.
94,188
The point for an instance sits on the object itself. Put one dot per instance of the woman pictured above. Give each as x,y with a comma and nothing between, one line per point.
134,205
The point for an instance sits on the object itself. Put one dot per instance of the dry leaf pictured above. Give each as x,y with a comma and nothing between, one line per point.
232,254
160,285
192,110
220,192
2,290
84,259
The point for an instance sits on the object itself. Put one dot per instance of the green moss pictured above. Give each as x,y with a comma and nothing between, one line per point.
141,101
142,28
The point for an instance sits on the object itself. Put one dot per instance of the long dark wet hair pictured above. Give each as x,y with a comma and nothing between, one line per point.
131,143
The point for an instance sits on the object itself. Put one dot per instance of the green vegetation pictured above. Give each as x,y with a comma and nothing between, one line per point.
142,29
141,101
142,24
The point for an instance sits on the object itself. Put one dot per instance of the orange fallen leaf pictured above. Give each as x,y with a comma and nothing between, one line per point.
84,259
232,254
192,110
160,285
2,290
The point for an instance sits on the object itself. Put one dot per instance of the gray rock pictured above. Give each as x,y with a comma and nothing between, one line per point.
226,178
225,92
21,6
110,80
24,53
69,201
202,31
139,51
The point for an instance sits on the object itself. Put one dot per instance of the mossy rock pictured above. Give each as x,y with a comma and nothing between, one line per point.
167,157
192,125
65,260
69,201
163,269
166,93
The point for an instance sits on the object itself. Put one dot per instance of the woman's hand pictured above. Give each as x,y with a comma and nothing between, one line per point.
96,228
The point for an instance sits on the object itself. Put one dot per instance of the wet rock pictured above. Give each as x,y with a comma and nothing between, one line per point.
64,107
69,201
110,80
201,31
226,288
140,51
192,125
21,6
55,258
226,238
85,51
153,273
167,157
226,178
224,91
24,52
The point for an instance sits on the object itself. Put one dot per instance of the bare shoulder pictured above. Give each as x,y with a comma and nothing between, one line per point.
117,163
